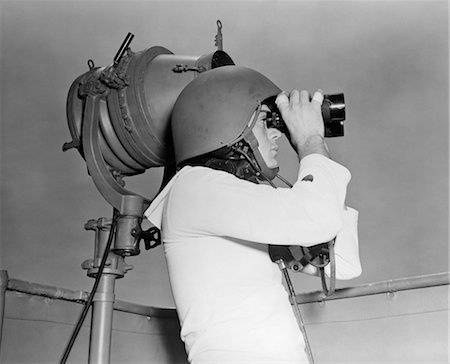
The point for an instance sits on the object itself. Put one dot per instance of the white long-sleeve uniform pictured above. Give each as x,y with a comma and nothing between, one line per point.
216,229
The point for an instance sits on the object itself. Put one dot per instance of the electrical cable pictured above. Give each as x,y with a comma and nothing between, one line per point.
298,313
285,181
329,290
93,291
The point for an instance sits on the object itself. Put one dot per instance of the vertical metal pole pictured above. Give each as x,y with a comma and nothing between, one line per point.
103,300
3,286
102,318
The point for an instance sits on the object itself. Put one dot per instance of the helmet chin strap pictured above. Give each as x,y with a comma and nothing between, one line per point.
266,172
256,161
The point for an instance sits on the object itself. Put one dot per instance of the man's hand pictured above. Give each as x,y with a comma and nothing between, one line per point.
304,120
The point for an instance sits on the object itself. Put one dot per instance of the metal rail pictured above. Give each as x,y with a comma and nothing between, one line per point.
81,297
390,286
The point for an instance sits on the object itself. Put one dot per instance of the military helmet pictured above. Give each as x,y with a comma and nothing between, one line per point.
214,109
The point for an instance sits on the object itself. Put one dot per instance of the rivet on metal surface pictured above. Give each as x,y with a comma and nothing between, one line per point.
390,294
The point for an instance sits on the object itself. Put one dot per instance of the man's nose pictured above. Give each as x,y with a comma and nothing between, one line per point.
273,133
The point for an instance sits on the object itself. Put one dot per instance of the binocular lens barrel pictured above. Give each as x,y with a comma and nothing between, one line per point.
333,113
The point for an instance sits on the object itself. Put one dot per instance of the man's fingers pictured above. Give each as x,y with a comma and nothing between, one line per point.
294,97
282,100
318,97
304,97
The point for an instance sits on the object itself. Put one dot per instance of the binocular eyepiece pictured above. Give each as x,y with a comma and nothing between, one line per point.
333,113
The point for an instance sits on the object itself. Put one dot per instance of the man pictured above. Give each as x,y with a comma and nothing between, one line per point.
217,220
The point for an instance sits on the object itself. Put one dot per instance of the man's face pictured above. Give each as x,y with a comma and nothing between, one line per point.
266,138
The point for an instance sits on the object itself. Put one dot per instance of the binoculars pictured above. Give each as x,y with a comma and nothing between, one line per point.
333,113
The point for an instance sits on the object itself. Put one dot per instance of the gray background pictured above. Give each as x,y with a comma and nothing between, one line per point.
389,58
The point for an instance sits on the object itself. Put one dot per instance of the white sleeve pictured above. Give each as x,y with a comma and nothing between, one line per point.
209,202
346,248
